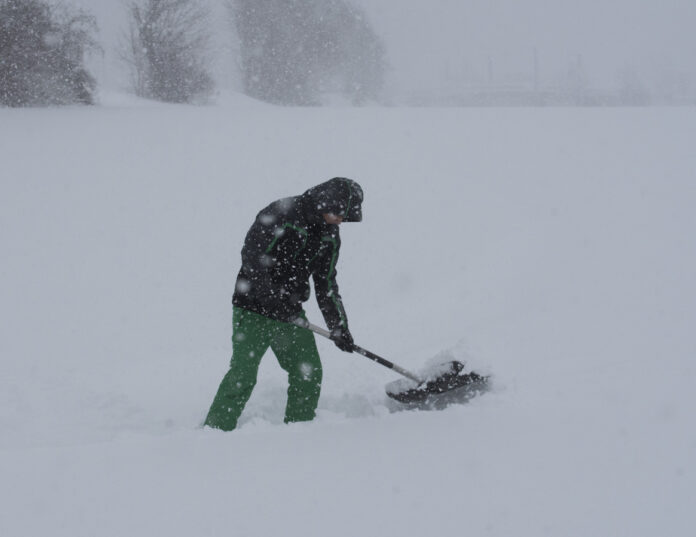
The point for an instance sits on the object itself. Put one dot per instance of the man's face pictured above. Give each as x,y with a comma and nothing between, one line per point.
331,218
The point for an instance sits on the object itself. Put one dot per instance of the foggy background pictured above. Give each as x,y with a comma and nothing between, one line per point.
439,42
492,51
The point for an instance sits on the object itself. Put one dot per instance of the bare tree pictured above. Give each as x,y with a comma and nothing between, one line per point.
355,62
42,53
167,49
292,51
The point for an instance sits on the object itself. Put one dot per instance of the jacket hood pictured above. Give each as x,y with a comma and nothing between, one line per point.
339,196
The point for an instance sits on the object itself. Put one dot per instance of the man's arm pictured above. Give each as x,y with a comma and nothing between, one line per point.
328,297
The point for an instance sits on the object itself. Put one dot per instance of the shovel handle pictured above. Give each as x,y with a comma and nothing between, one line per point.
304,323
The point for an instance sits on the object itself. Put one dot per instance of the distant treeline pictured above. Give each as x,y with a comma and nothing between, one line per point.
290,51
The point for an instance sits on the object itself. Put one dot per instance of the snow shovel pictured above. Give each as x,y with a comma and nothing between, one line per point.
441,379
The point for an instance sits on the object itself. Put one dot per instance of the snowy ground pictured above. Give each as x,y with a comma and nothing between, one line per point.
553,248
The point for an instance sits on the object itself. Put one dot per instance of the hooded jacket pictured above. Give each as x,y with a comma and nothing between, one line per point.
288,242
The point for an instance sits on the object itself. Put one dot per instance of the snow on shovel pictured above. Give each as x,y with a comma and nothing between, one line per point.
440,379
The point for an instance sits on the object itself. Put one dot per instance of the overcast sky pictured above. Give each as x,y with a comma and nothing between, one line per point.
435,42
430,37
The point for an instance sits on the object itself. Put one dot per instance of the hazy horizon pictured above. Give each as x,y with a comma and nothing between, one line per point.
439,45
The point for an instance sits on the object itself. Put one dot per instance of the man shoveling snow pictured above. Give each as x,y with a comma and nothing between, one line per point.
290,240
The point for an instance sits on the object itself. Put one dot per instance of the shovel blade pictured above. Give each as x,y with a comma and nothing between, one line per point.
444,378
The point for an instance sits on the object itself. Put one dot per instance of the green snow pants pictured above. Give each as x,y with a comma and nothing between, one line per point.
297,354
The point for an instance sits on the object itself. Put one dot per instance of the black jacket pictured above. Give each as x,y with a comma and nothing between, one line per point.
288,243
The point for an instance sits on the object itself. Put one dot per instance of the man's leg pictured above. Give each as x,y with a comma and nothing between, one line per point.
297,354
251,336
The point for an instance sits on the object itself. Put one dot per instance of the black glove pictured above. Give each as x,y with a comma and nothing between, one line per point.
342,338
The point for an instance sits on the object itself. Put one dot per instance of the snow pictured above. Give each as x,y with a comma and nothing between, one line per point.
552,248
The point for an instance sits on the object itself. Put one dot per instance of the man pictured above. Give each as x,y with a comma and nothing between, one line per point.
291,240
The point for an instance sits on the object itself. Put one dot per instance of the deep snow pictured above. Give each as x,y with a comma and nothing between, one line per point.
552,248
